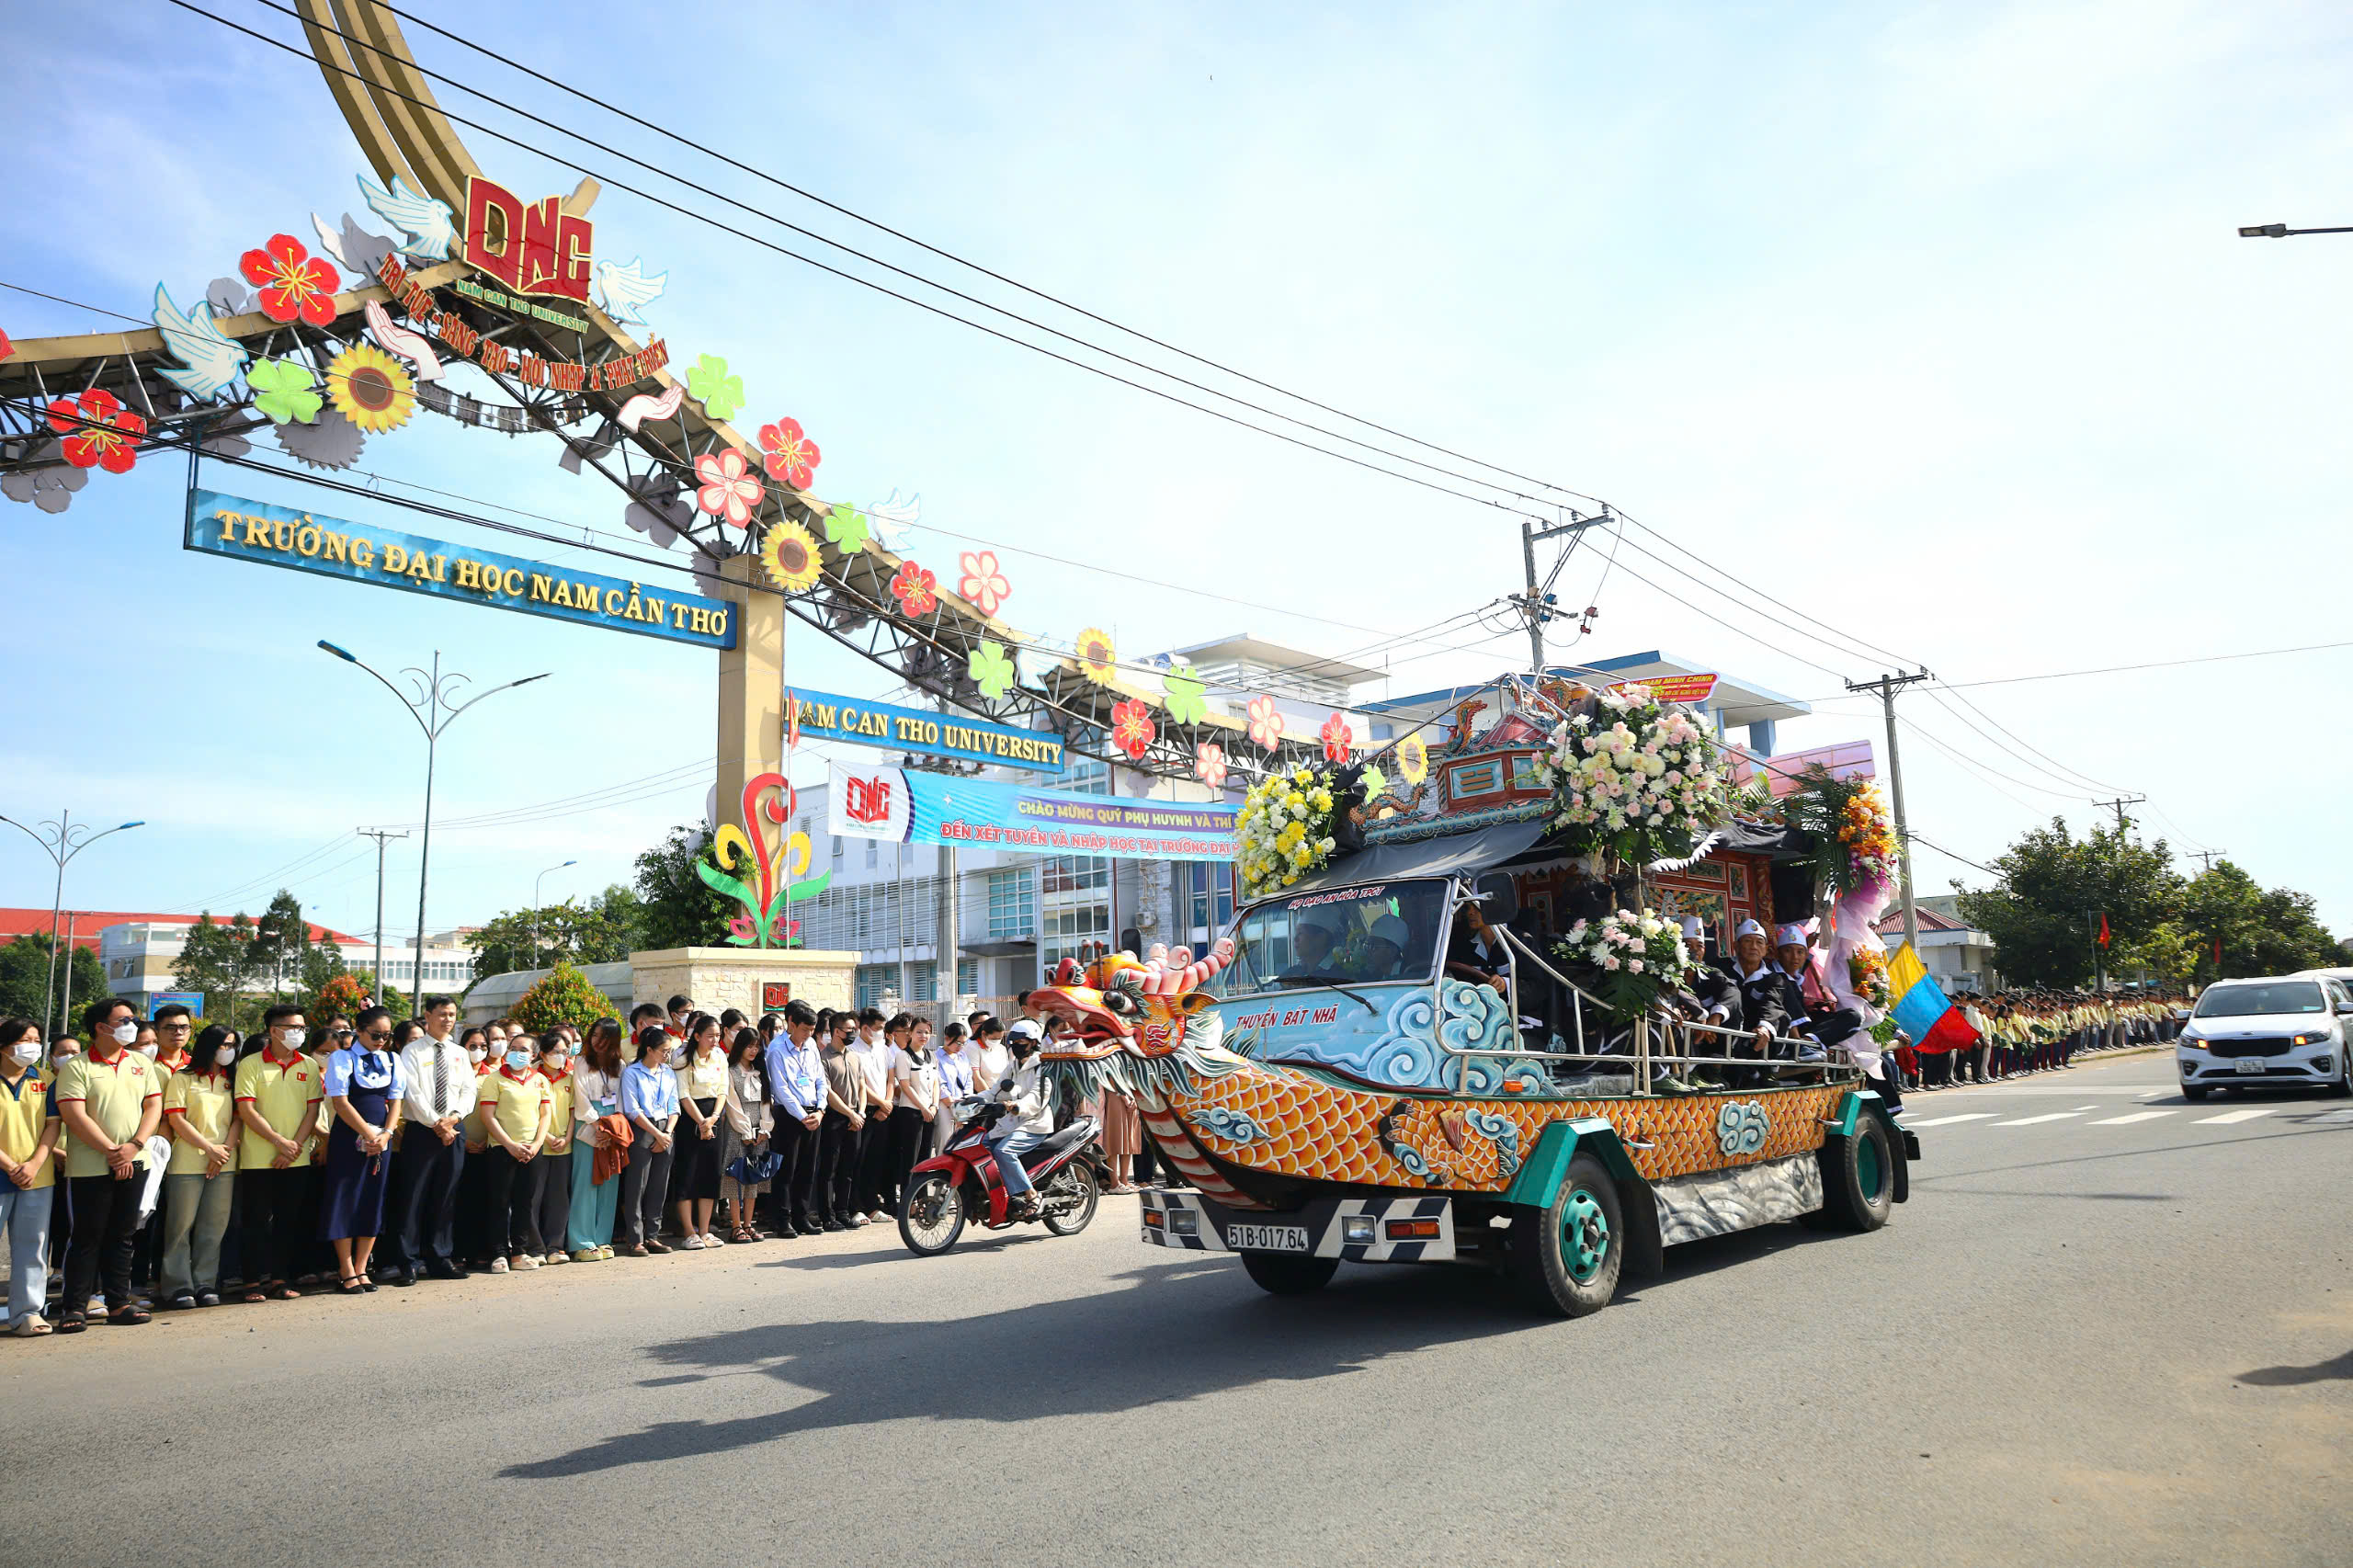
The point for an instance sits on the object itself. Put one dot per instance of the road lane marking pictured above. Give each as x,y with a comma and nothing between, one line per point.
2030,1120
1948,1120
2129,1120
2230,1115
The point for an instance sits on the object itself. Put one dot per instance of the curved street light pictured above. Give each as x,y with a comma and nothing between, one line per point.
61,841
435,708
535,908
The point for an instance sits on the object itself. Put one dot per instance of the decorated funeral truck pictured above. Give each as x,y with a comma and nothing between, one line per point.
1458,1020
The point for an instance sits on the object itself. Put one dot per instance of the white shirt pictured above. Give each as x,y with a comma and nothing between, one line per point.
417,1058
874,1067
919,1087
591,1088
990,1065
1027,1096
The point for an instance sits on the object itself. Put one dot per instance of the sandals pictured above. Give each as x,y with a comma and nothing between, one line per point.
126,1317
256,1294
349,1286
742,1237
288,1293
71,1322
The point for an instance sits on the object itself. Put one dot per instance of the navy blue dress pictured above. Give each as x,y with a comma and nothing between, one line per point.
353,1201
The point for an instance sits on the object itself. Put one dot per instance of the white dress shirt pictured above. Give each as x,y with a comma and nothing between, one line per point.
417,1057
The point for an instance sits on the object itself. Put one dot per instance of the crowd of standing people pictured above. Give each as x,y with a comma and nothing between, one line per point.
163,1166
2032,1031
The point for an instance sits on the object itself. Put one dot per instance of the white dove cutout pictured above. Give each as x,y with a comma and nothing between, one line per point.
891,520
210,358
621,289
422,218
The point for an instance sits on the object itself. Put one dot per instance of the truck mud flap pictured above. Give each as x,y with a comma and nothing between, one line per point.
1403,1228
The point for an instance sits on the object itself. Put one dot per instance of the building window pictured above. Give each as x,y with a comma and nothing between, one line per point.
967,977
923,980
873,854
1212,899
874,981
1013,905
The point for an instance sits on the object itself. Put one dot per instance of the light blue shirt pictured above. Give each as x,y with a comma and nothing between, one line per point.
649,1092
368,1069
955,1076
796,1077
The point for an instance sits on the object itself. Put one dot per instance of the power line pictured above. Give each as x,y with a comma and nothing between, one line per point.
60,299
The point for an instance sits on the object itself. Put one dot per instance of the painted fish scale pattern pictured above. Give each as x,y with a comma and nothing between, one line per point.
1325,1133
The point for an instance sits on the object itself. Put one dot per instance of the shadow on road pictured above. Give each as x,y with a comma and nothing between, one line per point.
1181,1330
2288,1377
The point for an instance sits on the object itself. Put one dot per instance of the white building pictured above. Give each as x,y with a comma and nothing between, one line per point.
139,955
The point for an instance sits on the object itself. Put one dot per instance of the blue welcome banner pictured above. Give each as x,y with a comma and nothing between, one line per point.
897,804
280,535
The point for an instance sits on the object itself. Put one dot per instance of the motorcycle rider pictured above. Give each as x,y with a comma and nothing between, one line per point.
1028,1123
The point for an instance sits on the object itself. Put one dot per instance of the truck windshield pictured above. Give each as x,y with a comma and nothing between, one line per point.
1355,935
2281,996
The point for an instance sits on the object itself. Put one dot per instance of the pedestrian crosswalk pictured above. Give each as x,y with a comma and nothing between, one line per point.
2033,1120
2300,1111
2229,1116
2129,1120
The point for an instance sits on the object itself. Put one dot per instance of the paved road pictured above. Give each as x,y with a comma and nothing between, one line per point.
2110,1328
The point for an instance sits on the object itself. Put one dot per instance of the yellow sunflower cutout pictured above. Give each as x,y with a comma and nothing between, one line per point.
371,389
1096,659
790,557
1413,759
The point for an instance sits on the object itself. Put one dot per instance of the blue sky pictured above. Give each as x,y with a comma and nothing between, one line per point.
1929,321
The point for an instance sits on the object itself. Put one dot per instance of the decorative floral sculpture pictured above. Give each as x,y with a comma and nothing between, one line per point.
1209,764
1131,728
293,284
982,583
791,456
727,488
916,589
719,394
1265,723
1096,659
1413,759
991,671
371,389
286,393
1183,684
1340,740
790,557
845,528
1633,958
1639,779
1285,828
764,887
98,431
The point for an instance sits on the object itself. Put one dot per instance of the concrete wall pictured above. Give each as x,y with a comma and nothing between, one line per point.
732,977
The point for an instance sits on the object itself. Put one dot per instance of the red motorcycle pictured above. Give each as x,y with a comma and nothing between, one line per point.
961,1183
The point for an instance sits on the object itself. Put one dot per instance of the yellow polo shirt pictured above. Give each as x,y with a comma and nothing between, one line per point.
559,1125
24,1109
286,1094
205,1103
115,1094
474,1133
517,1102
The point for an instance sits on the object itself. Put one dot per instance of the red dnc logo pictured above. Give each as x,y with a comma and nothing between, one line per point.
866,799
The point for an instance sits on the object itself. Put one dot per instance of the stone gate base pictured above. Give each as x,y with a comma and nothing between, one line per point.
755,980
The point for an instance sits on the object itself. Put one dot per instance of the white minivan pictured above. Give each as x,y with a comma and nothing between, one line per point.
2281,1033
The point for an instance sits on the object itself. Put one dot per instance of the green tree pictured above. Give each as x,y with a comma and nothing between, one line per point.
281,941
2053,890
680,909
604,930
2273,931
25,969
221,961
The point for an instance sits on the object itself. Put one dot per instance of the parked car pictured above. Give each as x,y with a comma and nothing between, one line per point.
2287,1032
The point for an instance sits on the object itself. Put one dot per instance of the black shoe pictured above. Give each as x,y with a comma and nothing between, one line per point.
444,1271
399,1277
832,1225
208,1298
182,1303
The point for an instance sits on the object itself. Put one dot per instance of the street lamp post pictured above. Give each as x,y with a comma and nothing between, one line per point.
2281,231
58,840
432,708
535,909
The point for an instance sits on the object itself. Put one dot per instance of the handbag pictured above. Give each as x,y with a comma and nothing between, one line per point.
751,1168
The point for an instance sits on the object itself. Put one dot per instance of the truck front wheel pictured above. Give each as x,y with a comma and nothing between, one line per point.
1568,1257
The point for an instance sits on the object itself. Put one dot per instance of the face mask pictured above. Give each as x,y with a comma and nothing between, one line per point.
475,1054
226,1056
291,1039
148,1051
27,1052
518,1060
553,1064
125,1033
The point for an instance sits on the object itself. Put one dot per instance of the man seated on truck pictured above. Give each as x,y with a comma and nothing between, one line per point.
1761,1015
1385,949
1816,1018
1314,933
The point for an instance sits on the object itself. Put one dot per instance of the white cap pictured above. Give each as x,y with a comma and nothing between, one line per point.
1323,919
1693,930
1790,937
1023,1028
1395,932
1748,928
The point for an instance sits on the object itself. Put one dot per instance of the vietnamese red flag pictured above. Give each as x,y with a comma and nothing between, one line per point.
2103,930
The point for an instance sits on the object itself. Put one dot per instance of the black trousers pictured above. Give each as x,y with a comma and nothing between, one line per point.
906,1129
105,1220
271,1243
554,1213
510,1202
834,1190
794,1186
873,1153
425,1198
645,1182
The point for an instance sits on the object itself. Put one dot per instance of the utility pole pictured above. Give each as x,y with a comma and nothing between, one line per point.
380,835
65,1008
1887,687
1537,603
2210,856
2118,806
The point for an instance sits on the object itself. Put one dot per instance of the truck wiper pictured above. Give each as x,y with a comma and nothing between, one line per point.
1322,984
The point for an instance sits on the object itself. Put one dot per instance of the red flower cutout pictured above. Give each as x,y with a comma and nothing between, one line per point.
1209,764
982,583
6,348
1265,723
1131,727
916,589
294,284
791,455
1337,738
727,490
99,432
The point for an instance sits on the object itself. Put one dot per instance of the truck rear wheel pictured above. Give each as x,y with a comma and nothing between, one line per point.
1288,1274
1567,1258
